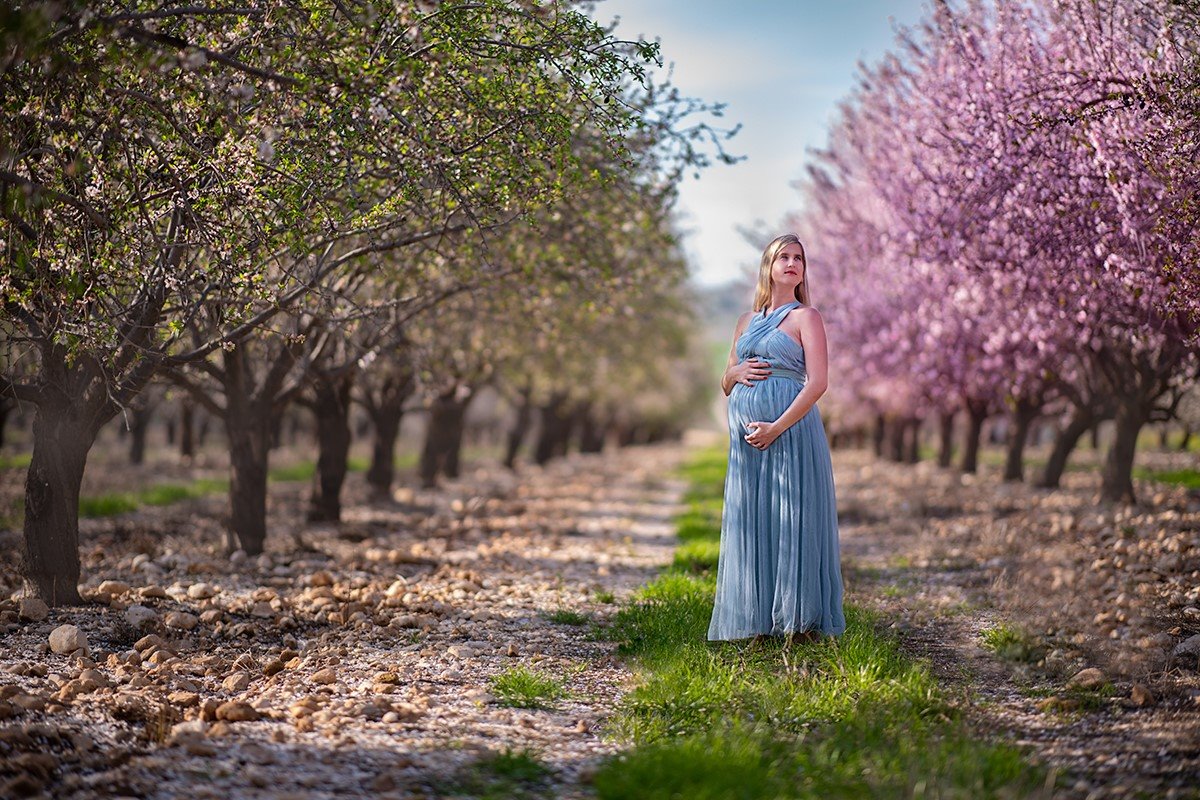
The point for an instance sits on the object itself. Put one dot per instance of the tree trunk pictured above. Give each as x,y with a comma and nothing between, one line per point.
895,439
555,429
386,410
976,414
520,428
381,475
1117,476
456,421
1082,420
51,545
6,409
139,425
878,434
331,408
187,428
249,446
443,437
248,427
1096,436
945,439
593,431
1186,440
1023,416
912,441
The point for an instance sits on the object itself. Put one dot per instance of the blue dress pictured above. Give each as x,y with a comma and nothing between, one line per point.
779,568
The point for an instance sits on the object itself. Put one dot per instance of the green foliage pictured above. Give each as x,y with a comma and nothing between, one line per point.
1188,478
522,687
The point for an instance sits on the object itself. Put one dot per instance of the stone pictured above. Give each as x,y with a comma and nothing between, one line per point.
67,639
237,711
181,619
512,649
33,609
202,591
274,667
1188,648
111,589
262,609
153,591
324,676
148,642
461,651
1088,678
96,677
236,682
185,699
1141,696
321,578
139,616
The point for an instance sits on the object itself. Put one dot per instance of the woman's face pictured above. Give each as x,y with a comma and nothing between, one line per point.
788,267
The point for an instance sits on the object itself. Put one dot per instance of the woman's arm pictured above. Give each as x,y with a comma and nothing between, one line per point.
816,362
751,370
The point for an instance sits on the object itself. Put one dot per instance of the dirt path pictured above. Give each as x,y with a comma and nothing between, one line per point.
359,667
948,558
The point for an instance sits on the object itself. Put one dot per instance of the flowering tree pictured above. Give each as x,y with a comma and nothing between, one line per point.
999,187
172,180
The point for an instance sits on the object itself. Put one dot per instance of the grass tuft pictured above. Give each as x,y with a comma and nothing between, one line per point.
566,616
521,687
1012,643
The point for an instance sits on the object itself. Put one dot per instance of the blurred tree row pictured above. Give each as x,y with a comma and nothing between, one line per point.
292,201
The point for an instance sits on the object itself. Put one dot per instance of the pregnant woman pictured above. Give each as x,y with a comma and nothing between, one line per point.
779,570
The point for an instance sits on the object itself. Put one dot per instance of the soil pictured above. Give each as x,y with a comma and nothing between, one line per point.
358,659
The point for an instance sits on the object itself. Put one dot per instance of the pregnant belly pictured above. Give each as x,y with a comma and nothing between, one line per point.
765,401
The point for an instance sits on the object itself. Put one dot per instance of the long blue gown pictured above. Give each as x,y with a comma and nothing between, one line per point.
779,568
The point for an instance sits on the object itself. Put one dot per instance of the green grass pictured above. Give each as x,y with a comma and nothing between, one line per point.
522,687
1188,478
16,461
604,596
565,616
1012,643
500,775
837,718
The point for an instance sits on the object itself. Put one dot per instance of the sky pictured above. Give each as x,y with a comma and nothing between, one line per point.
781,66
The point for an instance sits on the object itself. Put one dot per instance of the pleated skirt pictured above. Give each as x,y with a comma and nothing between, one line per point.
779,568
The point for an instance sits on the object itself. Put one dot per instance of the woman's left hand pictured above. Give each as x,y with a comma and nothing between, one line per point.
761,434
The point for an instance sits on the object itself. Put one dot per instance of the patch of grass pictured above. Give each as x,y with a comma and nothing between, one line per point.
16,461
1012,643
522,687
1188,478
501,775
604,596
566,616
107,505
302,471
846,717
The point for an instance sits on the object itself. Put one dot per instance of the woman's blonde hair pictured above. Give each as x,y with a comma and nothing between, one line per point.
762,295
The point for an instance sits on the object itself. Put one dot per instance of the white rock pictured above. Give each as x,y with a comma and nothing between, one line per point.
67,639
140,616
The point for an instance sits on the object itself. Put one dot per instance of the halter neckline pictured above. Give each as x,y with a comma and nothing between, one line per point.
767,313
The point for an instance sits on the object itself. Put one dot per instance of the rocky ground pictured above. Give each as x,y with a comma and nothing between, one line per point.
351,661
1099,674
359,660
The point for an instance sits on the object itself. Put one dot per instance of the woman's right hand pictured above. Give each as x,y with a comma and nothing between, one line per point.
749,371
